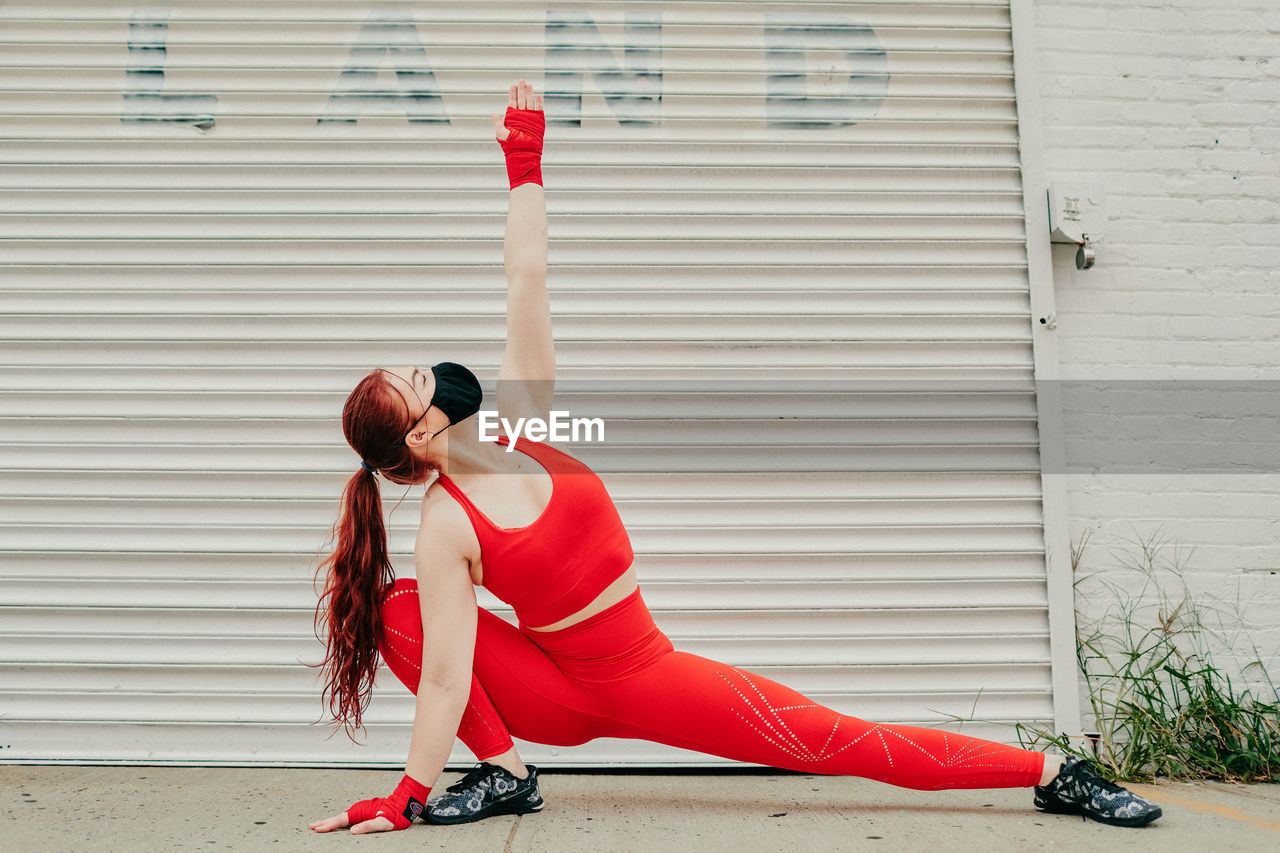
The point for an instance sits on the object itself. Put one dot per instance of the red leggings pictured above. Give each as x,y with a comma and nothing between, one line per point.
616,675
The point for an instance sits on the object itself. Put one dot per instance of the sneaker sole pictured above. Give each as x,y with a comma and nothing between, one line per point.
502,807
1140,820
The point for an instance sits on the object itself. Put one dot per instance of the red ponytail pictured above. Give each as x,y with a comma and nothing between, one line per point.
375,420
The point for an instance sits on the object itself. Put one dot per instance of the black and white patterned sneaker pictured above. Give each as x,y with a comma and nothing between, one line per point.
1077,789
485,791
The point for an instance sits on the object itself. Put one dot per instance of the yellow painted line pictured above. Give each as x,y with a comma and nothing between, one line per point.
1163,795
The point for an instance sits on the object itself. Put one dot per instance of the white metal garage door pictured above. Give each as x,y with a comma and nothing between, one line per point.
215,214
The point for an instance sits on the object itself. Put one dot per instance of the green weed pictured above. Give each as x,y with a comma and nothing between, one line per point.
1162,707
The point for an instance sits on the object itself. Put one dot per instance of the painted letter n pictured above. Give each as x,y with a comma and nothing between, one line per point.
575,49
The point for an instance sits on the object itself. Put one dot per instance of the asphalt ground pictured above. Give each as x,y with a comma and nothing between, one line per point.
145,808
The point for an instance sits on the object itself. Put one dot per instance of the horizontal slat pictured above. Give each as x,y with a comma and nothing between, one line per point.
917,128
638,400
890,700
814,594
306,745
863,494
853,535
469,62
810,679
846,564
284,687
918,79
39,662
621,436
287,253
691,622
355,202
950,12
431,228
676,111
915,94
654,459
501,36
665,461
987,361
151,536
177,661
652,303
424,177
727,327
580,154
861,490
625,425
691,509
947,684
480,278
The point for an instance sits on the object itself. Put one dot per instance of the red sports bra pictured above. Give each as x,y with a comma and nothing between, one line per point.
565,558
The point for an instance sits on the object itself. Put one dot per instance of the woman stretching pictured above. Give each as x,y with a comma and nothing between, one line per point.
537,528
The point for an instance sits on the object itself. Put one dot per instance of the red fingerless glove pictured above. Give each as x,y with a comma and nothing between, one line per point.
524,146
408,801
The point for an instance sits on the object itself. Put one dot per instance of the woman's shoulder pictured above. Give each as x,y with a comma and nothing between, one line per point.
441,513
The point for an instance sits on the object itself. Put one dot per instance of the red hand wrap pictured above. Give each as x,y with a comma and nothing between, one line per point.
363,810
524,146
407,802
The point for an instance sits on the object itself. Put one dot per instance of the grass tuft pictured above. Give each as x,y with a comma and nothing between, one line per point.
1161,705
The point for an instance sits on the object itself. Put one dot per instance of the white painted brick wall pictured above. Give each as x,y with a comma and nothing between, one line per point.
1174,106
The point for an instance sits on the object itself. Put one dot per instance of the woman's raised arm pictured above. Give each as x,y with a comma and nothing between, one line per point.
526,379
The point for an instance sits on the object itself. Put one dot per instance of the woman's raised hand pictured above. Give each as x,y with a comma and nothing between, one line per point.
521,97
520,133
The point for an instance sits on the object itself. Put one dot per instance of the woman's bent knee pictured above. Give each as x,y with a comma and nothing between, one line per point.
400,642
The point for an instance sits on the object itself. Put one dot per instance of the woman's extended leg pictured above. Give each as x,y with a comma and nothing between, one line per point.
726,711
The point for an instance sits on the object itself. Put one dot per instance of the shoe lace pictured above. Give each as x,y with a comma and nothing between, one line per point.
1086,774
480,771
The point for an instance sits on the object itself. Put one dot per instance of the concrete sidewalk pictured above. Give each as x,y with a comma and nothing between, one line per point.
61,808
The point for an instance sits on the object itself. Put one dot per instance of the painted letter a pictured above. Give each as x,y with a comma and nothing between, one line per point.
387,37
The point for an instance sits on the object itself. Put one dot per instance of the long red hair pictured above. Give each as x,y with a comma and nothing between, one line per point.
375,421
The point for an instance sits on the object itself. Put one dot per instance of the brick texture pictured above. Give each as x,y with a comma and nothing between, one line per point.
1174,106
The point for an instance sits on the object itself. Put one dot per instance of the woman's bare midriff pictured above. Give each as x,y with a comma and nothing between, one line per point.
612,594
